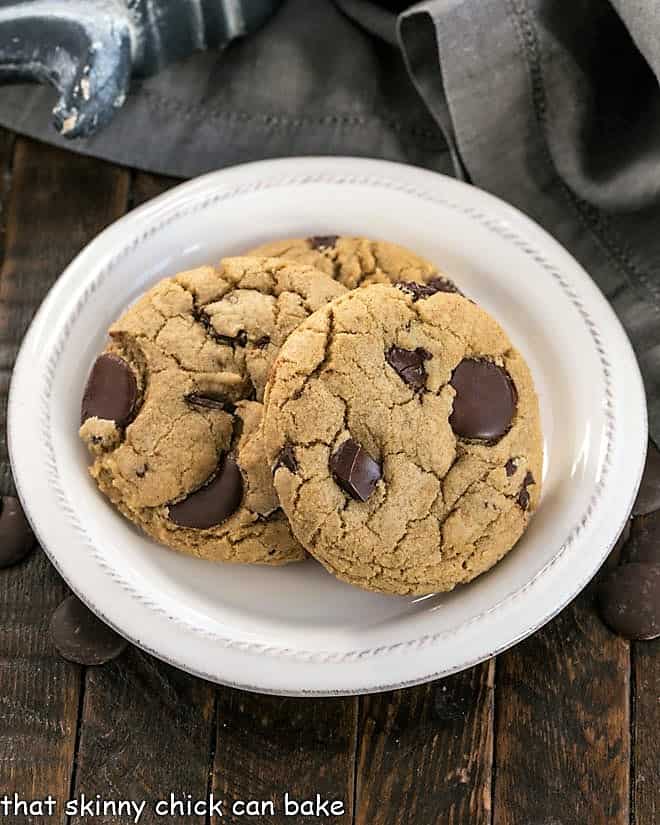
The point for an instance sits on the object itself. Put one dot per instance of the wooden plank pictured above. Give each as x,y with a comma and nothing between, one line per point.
7,140
425,753
146,186
57,203
146,728
145,733
645,546
646,732
268,746
562,747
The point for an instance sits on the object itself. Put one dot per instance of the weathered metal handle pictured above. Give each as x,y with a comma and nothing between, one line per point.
88,49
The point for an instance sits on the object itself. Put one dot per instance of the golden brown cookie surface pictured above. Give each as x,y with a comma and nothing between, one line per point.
357,262
405,434
167,413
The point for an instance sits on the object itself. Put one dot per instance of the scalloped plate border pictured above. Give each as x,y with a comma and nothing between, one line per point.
504,221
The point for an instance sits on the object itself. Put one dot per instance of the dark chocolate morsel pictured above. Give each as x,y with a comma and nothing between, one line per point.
648,497
287,459
202,317
523,495
441,284
485,401
238,340
629,600
354,470
644,544
409,364
262,342
81,637
212,503
111,391
510,467
620,551
16,537
209,402
419,291
321,242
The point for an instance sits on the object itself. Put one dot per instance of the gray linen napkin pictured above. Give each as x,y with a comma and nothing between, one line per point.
553,106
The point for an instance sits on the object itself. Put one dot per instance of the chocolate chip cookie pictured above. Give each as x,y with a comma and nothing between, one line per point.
169,413
404,435
357,262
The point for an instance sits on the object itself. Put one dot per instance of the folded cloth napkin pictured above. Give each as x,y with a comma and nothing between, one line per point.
554,107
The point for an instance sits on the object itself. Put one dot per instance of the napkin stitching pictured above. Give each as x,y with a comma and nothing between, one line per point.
280,120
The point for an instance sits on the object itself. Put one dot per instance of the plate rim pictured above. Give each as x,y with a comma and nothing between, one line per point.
208,189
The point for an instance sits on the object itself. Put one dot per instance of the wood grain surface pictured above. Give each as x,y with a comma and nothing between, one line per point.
562,730
425,753
562,752
57,203
267,746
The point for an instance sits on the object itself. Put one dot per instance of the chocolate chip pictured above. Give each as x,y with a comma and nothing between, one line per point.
510,467
111,391
287,459
523,495
644,543
16,537
433,286
354,470
262,342
648,497
81,637
321,242
629,600
409,364
485,400
212,503
441,284
240,339
209,402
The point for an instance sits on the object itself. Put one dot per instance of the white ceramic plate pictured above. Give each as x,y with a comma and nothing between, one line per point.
295,630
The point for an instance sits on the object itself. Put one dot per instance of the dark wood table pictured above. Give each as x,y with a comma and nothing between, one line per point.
562,730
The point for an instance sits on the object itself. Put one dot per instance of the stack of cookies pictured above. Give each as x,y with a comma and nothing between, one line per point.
329,397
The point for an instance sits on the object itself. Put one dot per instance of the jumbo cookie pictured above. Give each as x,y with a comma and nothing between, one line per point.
356,262
170,412
405,439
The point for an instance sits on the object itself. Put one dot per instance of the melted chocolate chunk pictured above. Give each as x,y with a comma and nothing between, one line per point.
214,502
354,470
419,291
240,339
209,402
629,600
262,342
523,495
510,467
409,365
287,459
16,537
320,242
111,391
644,544
485,401
81,637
